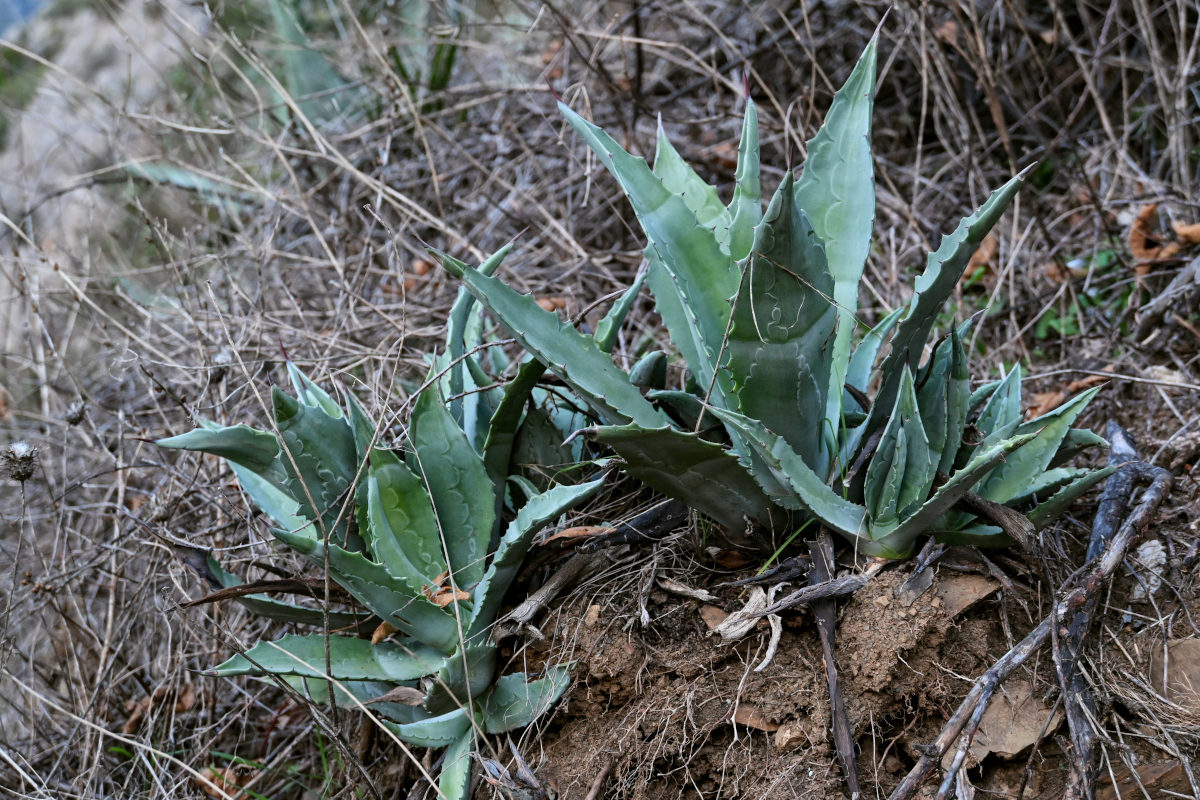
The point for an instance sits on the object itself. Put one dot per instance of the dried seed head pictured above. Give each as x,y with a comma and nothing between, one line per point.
21,459
75,412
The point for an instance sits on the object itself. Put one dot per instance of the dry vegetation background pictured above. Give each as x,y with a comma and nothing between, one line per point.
179,210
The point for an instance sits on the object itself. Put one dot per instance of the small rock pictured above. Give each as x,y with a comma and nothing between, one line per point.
882,601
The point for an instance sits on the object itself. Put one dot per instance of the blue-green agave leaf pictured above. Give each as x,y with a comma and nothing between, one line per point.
270,608
569,354
440,731
540,510
1048,511
515,701
783,321
703,277
787,468
702,474
354,694
454,781
389,597
311,394
458,483
462,678
1024,467
899,539
239,444
402,528
932,289
349,659
837,192
679,178
745,210
610,324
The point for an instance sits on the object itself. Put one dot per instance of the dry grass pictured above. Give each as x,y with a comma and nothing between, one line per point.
158,307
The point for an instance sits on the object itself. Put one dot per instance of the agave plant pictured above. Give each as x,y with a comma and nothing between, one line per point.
775,425
418,540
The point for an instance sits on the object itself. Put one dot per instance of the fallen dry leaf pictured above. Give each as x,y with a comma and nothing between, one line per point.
136,710
675,587
1045,402
580,532
1061,273
960,592
384,630
1145,244
984,254
442,595
1180,681
552,303
752,717
225,781
713,616
421,267
1187,234
1016,719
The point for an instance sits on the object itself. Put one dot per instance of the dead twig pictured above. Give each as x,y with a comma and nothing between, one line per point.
825,610
1084,584
1067,643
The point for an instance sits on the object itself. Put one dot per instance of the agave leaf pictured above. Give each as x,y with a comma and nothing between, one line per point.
899,539
932,289
354,694
1045,513
515,701
569,354
650,371
350,659
679,178
278,610
1047,484
745,211
703,277
885,477
464,332
610,324
402,528
782,324
454,781
458,483
1001,412
858,373
538,511
274,501
942,399
462,678
440,731
837,191
1024,467
702,474
319,457
497,450
240,444
1075,442
686,332
789,469
311,394
975,535
389,597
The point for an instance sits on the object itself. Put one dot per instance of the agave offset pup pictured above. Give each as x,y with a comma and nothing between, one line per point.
417,540
775,425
